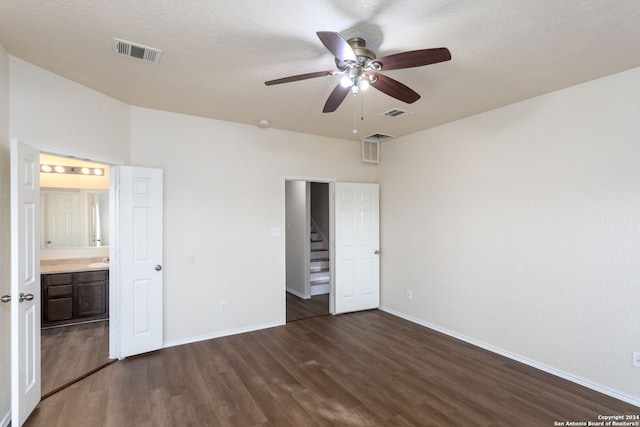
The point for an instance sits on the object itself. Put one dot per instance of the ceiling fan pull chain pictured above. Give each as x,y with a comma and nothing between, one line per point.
355,118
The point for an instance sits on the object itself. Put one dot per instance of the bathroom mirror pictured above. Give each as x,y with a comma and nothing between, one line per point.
74,218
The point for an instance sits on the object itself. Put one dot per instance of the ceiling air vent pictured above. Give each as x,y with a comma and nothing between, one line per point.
378,137
138,51
396,112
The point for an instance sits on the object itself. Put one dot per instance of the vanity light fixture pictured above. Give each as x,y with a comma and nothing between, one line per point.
71,170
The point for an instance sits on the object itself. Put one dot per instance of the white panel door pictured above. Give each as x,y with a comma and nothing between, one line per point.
25,281
139,259
357,239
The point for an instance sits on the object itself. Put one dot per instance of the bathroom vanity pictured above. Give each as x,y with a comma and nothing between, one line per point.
74,291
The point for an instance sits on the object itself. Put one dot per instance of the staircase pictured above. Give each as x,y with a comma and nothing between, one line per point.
320,276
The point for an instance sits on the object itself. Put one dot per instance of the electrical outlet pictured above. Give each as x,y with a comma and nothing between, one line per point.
636,359
409,294
223,305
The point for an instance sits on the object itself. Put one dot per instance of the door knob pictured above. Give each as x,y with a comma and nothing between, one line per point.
158,267
25,297
377,252
5,298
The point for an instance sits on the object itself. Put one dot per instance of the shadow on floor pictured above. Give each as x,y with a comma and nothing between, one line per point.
298,308
70,352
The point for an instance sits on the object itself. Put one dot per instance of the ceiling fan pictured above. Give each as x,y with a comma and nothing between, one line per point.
361,68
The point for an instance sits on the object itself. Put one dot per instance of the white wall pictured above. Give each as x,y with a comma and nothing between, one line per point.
49,110
519,228
5,239
320,206
297,237
224,192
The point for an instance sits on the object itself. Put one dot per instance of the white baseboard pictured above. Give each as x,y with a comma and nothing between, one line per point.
298,294
533,364
190,340
6,420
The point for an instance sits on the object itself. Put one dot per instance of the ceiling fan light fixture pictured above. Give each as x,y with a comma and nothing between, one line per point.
346,82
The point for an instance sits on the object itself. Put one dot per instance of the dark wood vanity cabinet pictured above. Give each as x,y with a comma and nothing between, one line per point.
74,297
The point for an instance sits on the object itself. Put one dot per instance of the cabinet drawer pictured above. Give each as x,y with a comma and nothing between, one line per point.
59,309
58,279
59,291
92,276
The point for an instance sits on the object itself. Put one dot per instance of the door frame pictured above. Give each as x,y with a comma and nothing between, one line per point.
113,285
324,180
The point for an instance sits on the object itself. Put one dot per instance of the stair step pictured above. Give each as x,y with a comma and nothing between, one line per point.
320,278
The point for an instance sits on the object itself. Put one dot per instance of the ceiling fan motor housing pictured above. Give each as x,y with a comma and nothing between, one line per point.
360,48
365,56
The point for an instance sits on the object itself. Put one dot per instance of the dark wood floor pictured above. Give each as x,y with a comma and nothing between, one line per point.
361,369
69,352
299,308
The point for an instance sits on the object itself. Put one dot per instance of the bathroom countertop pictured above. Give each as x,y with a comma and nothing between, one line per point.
69,265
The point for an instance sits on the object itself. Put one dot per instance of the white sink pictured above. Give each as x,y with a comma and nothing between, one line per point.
99,265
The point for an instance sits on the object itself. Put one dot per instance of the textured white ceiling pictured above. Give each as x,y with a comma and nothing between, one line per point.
217,54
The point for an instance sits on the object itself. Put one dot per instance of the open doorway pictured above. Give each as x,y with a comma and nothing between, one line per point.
308,249
74,252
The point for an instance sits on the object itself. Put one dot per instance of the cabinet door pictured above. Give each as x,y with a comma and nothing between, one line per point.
91,299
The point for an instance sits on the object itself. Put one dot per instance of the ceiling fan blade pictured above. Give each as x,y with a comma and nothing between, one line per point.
302,77
394,88
337,46
335,99
414,58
